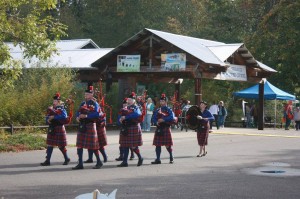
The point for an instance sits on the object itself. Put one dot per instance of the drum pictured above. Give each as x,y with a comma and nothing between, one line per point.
182,117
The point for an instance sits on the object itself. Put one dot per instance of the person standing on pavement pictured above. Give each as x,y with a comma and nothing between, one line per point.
87,137
222,113
203,131
288,114
297,117
131,133
213,109
163,117
149,113
56,136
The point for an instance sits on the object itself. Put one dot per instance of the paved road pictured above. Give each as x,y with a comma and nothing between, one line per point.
232,169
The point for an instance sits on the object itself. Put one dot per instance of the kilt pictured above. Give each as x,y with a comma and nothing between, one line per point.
165,139
134,137
101,132
202,136
58,138
88,139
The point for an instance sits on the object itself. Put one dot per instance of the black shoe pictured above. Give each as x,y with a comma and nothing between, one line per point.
119,159
156,162
77,167
98,166
140,162
123,165
171,160
46,163
88,161
66,162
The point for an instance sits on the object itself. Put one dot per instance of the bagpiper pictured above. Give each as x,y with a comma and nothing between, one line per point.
131,133
163,117
102,138
87,115
56,136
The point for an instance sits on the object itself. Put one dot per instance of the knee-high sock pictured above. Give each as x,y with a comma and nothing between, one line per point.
126,153
121,152
170,150
96,152
64,152
137,151
90,153
49,153
80,153
158,152
102,151
131,153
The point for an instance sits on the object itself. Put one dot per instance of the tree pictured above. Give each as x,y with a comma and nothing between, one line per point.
31,25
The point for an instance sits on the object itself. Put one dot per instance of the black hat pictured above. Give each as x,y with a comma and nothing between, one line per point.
125,100
203,102
132,95
163,97
56,96
90,89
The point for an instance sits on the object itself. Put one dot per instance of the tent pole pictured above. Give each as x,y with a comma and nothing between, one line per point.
275,114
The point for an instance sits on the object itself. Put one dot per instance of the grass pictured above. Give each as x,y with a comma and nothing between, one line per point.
21,141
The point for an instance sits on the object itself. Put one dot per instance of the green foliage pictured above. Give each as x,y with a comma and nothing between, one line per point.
31,25
26,103
21,141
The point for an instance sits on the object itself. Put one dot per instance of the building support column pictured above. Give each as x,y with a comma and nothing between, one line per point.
198,91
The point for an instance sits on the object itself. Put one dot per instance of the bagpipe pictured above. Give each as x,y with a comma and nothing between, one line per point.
142,102
192,121
176,105
105,108
51,111
125,123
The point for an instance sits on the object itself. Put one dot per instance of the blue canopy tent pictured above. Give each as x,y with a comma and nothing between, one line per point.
270,93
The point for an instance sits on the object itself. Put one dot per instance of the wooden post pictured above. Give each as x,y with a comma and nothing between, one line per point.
198,91
11,129
261,94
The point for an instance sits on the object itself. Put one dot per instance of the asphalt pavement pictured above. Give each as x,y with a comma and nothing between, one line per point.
241,163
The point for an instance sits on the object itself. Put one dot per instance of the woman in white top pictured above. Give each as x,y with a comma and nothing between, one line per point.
149,113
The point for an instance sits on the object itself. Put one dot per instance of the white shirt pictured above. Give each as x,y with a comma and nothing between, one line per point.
213,109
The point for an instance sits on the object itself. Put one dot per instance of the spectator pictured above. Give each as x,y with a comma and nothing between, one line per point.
213,109
149,113
222,113
288,115
248,115
297,117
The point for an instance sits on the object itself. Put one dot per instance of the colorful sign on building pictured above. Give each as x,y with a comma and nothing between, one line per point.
173,62
128,63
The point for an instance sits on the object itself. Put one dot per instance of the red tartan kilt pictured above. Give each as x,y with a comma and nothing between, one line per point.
59,138
101,132
88,139
202,137
134,137
165,139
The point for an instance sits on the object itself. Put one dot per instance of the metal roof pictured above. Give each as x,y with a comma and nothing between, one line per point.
224,51
80,58
77,53
62,45
194,46
265,67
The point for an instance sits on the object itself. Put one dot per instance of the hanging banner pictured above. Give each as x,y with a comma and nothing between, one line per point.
234,73
173,62
128,63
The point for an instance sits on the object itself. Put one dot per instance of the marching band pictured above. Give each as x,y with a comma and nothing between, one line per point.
91,134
